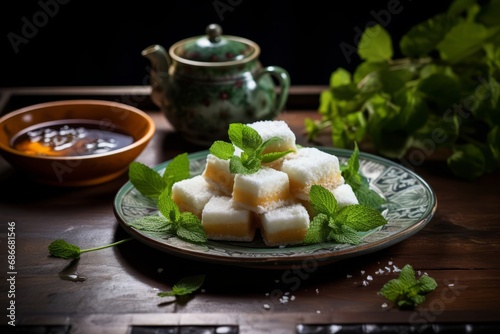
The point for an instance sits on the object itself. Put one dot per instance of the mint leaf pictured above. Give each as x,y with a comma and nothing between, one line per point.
360,217
65,250
367,69
393,289
464,40
155,224
151,184
322,200
369,197
375,44
407,290
222,150
190,228
350,171
344,234
250,142
273,156
168,208
358,183
235,133
176,170
61,248
170,221
407,276
342,226
318,230
239,166
184,286
426,284
185,225
340,77
236,166
423,38
146,180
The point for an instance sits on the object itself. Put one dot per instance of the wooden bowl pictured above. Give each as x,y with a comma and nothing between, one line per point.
54,167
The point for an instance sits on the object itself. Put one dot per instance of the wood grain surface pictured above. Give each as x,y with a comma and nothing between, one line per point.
459,247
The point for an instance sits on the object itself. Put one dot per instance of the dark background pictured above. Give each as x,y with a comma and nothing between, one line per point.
99,43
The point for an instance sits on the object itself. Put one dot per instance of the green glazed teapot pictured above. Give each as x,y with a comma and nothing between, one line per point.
205,83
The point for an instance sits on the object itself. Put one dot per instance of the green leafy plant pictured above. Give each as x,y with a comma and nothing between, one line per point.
343,225
252,147
63,249
151,184
170,220
407,291
185,225
359,183
339,225
184,286
442,93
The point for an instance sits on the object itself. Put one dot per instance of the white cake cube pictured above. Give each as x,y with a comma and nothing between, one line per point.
275,128
264,190
286,225
344,195
223,221
217,173
192,194
311,166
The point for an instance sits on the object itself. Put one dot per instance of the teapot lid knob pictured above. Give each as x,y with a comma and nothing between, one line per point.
214,31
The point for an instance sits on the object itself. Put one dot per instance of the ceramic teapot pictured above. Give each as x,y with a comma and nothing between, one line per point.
205,83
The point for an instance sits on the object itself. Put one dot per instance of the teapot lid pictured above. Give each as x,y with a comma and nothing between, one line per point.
214,49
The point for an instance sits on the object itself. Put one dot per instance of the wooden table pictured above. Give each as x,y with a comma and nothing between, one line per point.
459,247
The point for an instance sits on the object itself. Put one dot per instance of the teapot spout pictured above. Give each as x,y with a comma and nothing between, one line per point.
159,58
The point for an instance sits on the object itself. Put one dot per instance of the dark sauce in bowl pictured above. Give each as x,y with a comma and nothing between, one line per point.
71,138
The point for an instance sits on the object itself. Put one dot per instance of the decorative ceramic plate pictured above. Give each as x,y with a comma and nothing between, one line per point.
410,205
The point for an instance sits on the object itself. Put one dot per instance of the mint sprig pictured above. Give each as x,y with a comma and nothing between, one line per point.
359,183
170,220
184,286
63,249
342,226
406,290
252,147
184,225
151,184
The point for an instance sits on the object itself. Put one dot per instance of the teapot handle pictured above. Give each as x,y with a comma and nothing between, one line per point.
283,78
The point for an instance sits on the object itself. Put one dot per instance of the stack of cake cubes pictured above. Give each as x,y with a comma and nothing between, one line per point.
273,201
